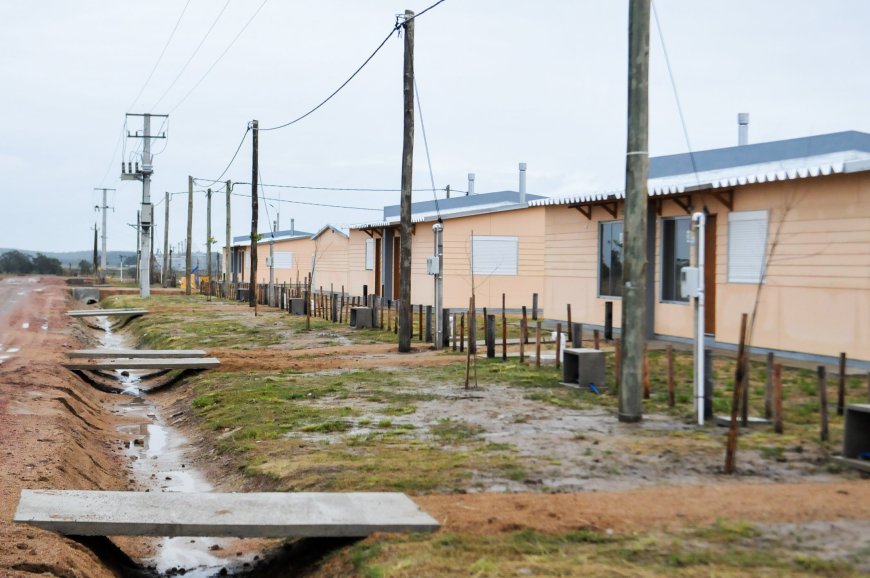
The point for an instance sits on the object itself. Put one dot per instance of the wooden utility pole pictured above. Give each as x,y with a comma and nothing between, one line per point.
166,240
208,240
189,234
255,171
228,260
635,228
405,319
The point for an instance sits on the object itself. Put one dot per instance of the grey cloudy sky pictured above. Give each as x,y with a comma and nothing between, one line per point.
500,81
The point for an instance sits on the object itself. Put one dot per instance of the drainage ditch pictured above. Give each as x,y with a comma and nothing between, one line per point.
156,453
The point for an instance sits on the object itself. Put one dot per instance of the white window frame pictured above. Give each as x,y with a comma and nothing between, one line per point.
496,255
747,245
370,255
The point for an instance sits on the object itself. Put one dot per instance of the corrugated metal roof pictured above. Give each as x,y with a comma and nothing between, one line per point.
459,204
777,161
287,235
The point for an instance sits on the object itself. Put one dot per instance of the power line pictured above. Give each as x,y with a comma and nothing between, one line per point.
114,154
343,84
307,203
674,88
227,49
192,56
232,160
396,27
160,58
426,146
350,189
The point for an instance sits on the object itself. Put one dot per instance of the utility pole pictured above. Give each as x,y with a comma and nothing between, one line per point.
208,239
189,235
165,240
255,171
228,260
146,213
95,247
438,229
104,206
138,244
405,205
635,227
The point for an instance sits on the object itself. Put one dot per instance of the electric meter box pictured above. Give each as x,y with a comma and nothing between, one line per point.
432,266
689,282
146,214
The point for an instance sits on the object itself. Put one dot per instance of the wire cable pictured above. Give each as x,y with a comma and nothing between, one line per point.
308,203
192,56
676,94
160,58
232,160
222,54
114,154
426,146
351,189
343,84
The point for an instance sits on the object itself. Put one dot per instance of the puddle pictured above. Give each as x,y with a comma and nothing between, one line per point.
157,455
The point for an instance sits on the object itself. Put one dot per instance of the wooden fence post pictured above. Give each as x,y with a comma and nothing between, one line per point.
538,343
596,339
768,389
823,404
522,341
503,329
558,345
524,327
462,332
777,398
672,400
420,320
841,386
731,446
570,327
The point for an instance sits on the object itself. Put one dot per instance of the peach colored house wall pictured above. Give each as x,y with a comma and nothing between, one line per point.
331,250
571,266
302,249
816,296
527,224
357,275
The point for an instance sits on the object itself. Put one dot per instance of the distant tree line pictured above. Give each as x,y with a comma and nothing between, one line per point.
18,263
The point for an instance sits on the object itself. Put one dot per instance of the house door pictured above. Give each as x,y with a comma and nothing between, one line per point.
396,282
710,276
378,266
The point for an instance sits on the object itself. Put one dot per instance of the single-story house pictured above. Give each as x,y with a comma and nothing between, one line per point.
788,223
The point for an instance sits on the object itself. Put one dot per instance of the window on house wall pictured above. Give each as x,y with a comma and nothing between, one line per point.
610,259
370,254
495,255
747,245
675,256
282,260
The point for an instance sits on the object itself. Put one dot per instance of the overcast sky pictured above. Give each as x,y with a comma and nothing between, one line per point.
500,82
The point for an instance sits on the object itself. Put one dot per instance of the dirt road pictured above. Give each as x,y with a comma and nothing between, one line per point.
53,432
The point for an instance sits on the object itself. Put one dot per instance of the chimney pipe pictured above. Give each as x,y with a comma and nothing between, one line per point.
470,183
522,182
742,128
292,227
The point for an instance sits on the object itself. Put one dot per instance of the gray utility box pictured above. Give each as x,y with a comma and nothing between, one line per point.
296,306
583,366
856,437
361,317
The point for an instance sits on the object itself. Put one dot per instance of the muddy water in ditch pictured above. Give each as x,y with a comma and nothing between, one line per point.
157,453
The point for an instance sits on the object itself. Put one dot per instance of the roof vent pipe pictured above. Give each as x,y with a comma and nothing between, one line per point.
292,227
470,183
742,128
522,182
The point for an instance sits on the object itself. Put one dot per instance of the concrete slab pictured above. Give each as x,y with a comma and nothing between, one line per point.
135,353
106,312
725,421
161,363
255,515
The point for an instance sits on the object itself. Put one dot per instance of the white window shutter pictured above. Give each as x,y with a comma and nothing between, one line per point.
747,246
495,255
282,260
370,254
